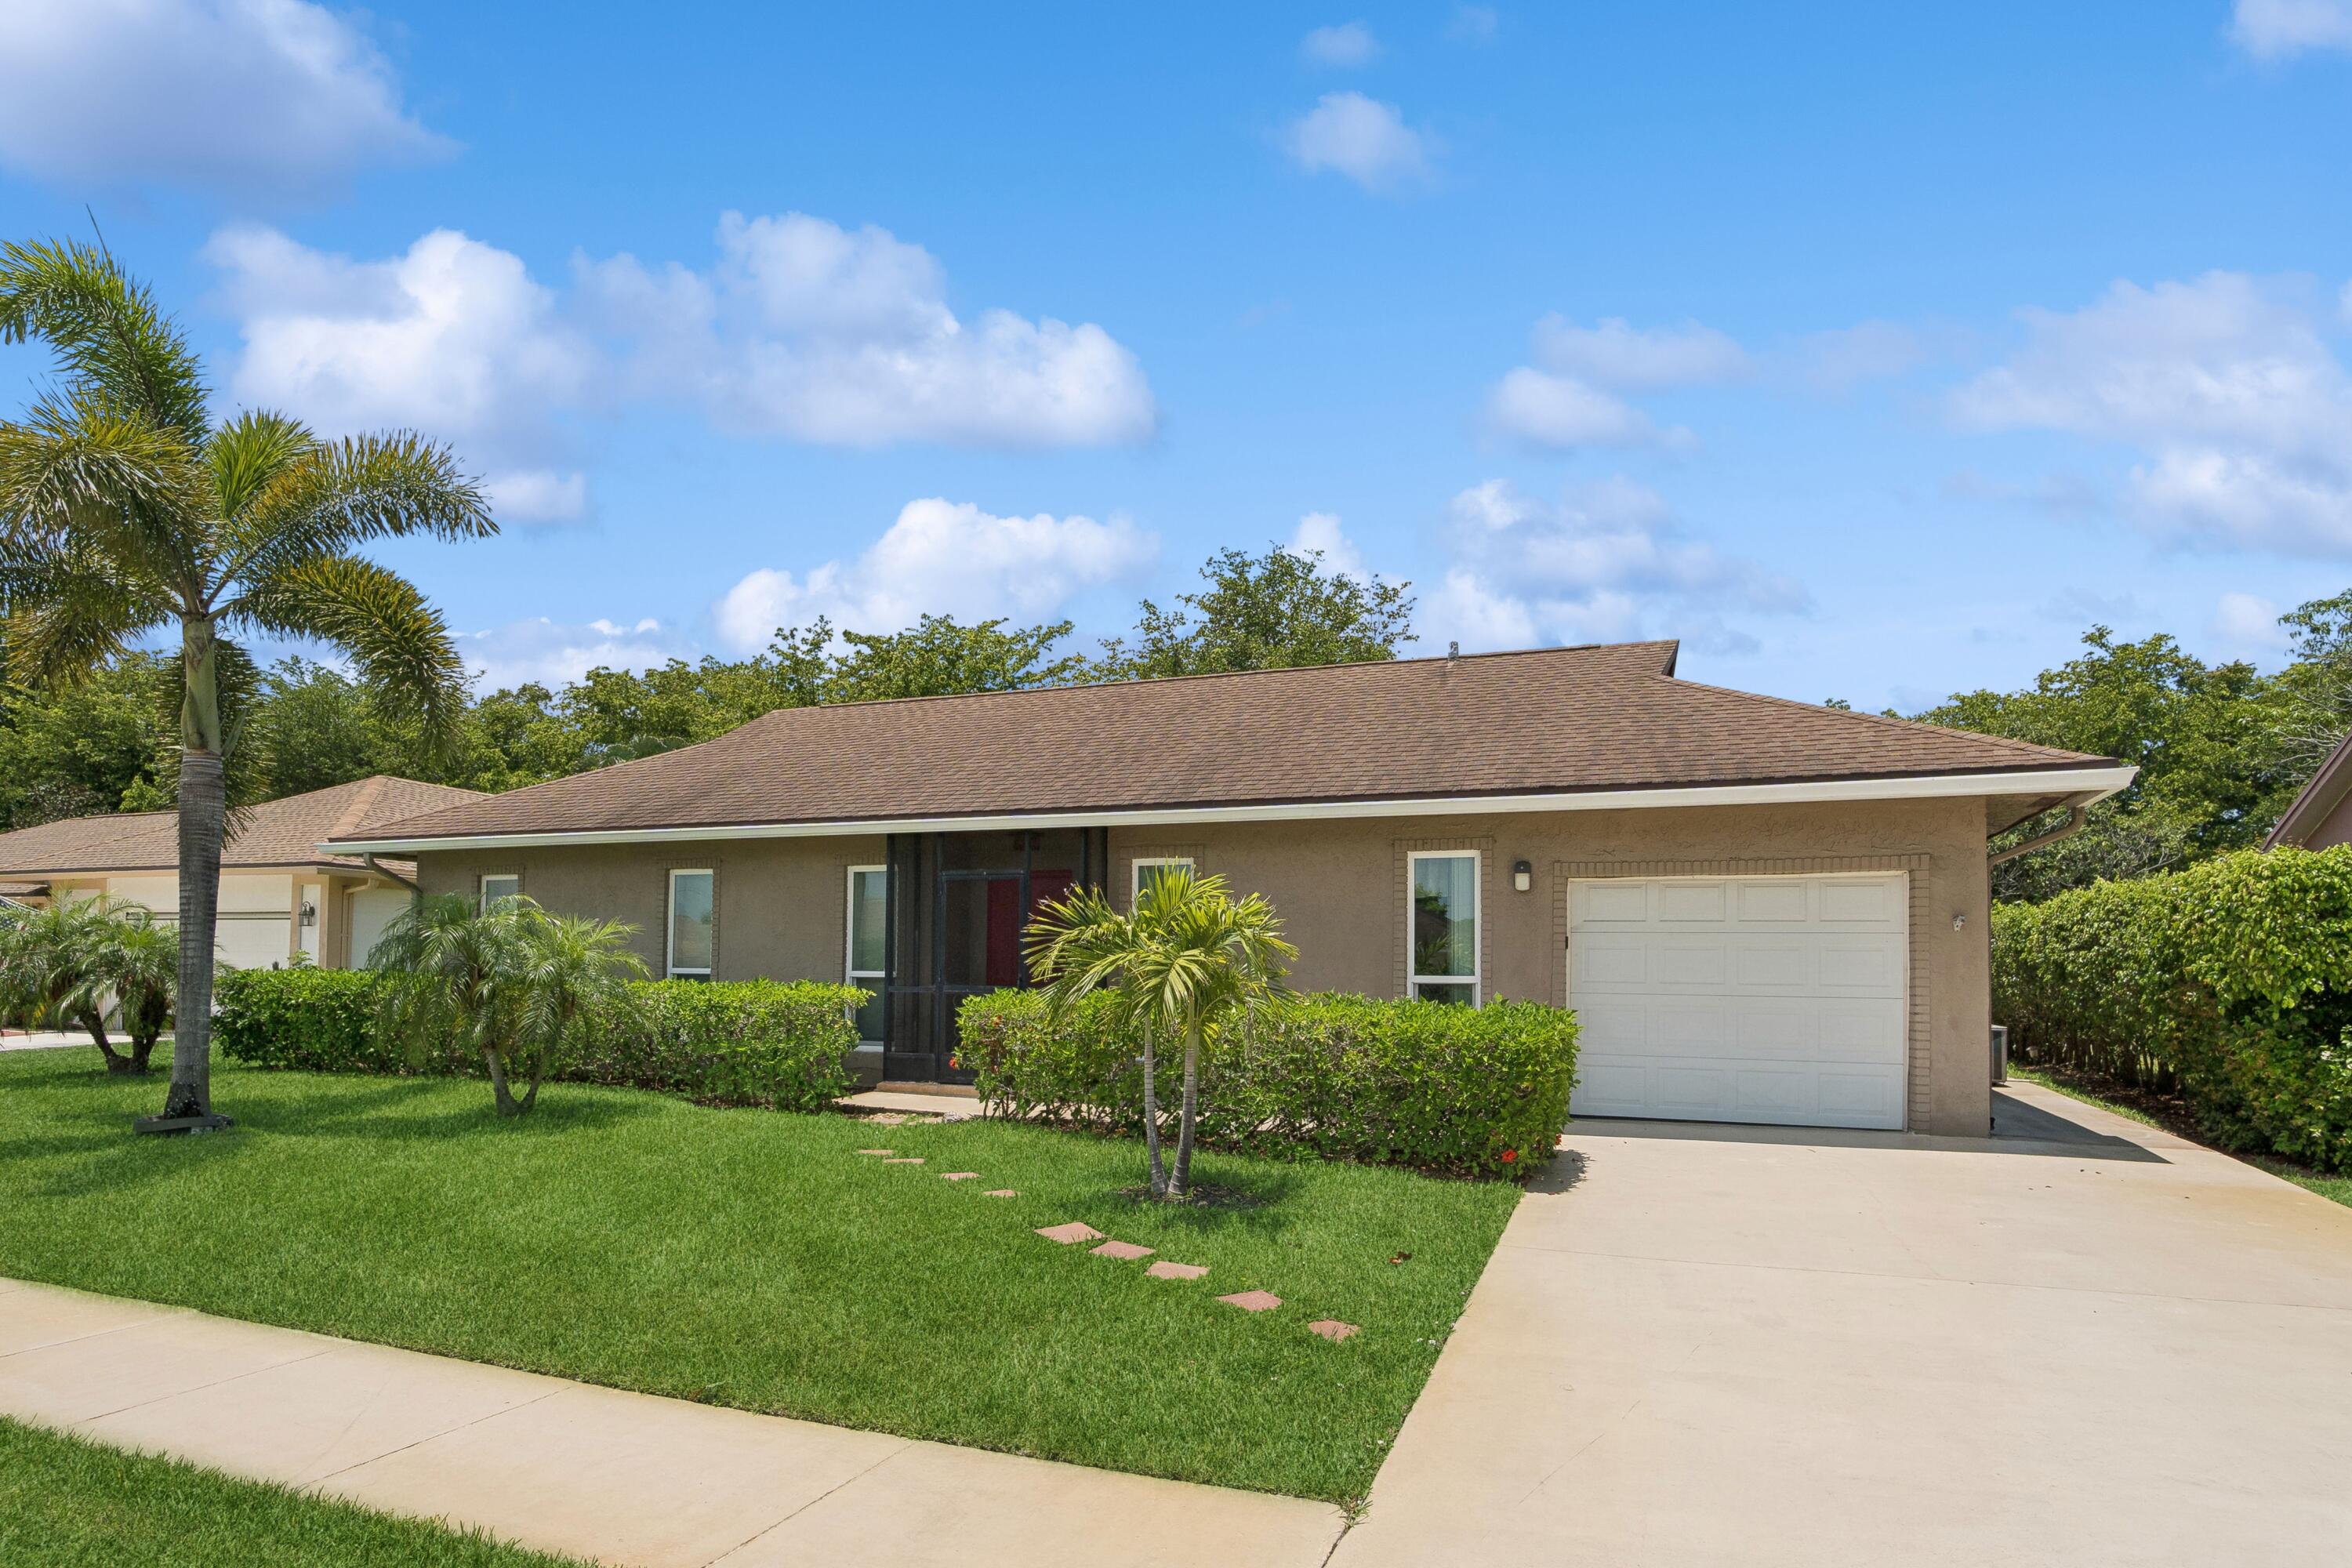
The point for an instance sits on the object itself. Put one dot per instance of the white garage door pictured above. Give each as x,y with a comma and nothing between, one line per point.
374,908
1741,998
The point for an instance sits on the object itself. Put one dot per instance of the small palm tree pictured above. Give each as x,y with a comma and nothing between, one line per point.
70,963
143,969
508,983
1188,957
125,509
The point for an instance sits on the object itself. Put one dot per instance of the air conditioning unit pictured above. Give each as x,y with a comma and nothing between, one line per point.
2000,1053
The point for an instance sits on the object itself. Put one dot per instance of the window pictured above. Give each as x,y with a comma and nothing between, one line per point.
1150,872
1444,916
497,888
690,925
869,909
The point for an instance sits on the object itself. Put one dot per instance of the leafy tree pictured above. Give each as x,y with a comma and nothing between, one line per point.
1280,610
1187,958
87,748
125,510
940,658
508,983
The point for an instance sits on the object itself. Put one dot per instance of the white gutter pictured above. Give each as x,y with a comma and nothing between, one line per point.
2097,783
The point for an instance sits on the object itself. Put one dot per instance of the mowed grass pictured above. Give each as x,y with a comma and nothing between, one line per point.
754,1260
67,1503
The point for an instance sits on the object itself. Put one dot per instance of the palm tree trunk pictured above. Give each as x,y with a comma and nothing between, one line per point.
498,1090
1151,1121
1183,1181
204,810
115,1060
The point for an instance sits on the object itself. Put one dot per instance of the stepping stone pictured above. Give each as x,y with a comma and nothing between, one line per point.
1253,1301
1165,1271
874,1150
961,1176
1332,1329
1003,1193
905,1160
1125,1251
1076,1231
887,1118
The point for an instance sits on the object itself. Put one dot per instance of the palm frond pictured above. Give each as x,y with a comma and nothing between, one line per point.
253,451
341,493
398,642
67,612
87,466
106,330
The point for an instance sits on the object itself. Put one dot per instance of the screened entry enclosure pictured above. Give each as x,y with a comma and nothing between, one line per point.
953,909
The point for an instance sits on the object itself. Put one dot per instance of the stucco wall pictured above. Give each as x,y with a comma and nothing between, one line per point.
1340,887
781,910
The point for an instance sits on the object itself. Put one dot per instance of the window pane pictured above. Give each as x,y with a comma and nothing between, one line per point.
1148,872
1443,991
869,1016
497,888
689,920
867,908
1444,915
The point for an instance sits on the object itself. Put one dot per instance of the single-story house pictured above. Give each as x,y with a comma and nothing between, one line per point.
1762,910
279,893
2321,815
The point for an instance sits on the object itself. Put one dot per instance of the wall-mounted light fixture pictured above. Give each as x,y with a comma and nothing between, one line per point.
309,915
1523,875
1960,923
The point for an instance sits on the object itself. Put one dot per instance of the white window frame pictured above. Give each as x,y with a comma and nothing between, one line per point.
851,974
482,900
1477,979
670,971
1137,867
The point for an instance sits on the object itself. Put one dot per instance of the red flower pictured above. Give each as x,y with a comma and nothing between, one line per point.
1510,1155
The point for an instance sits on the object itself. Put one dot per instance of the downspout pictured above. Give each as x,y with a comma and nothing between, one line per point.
2073,825
389,875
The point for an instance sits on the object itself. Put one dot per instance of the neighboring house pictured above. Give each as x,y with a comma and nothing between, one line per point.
2321,814
1763,910
279,895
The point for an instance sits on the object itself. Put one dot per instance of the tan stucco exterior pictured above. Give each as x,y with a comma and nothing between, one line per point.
1341,887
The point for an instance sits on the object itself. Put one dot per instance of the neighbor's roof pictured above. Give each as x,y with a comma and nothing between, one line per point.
279,832
2318,799
1548,723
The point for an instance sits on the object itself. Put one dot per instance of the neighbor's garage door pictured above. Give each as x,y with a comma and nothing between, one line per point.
1741,998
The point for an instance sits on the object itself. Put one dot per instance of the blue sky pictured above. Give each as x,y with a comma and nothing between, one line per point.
1875,352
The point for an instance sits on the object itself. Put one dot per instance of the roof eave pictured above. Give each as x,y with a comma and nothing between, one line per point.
2095,782
2321,797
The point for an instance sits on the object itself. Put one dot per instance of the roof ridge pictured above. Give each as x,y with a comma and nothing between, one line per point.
355,814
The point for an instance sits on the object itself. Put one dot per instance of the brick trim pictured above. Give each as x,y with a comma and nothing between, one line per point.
1918,1016
1405,848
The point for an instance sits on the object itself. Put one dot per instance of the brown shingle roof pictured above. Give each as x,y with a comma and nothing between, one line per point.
277,832
1557,719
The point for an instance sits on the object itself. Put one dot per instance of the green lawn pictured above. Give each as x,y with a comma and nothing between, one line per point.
65,1503
754,1260
2336,1189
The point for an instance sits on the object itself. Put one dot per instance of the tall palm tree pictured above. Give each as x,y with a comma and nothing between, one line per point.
125,511
1189,956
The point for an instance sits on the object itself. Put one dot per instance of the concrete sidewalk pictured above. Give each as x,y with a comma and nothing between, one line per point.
567,1466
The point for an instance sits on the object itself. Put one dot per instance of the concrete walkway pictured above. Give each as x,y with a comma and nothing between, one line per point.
565,1467
2089,1343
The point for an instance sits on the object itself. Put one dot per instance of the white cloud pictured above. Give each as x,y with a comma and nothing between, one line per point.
941,557
2244,621
1347,44
1362,138
550,653
2272,29
1562,413
811,332
2239,408
243,94
1613,353
1608,561
1318,533
1472,24
1841,357
538,495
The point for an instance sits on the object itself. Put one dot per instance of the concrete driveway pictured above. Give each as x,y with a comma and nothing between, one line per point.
2082,1342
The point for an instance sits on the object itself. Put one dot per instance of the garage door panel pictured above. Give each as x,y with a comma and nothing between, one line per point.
1791,1009
1607,903
251,943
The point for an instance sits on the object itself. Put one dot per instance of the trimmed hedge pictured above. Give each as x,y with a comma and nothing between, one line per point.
751,1042
2231,982
1477,1090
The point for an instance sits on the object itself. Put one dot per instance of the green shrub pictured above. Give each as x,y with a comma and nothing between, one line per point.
1462,1090
2231,982
753,1042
